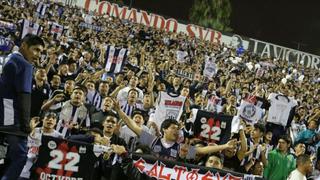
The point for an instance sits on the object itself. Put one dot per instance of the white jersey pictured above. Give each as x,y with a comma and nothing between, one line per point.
210,67
214,104
181,56
126,133
33,144
168,107
249,112
280,108
295,129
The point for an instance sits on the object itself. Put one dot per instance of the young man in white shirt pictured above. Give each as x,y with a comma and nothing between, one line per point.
304,167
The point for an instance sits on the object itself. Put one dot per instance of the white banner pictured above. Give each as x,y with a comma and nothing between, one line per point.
171,24
158,21
291,55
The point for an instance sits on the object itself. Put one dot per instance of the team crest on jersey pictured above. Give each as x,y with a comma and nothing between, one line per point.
82,150
171,114
223,125
249,111
203,120
52,145
173,153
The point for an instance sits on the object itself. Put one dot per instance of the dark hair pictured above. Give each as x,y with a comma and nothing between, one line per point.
81,88
96,130
112,114
302,159
137,111
103,82
49,114
68,78
295,144
167,123
133,89
285,138
32,40
145,149
261,127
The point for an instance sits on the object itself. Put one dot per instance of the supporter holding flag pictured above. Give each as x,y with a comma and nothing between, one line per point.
34,139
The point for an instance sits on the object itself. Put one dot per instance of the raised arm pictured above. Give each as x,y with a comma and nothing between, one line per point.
212,149
243,141
129,122
114,94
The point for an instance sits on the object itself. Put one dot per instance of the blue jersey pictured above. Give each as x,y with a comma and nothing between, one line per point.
170,153
16,78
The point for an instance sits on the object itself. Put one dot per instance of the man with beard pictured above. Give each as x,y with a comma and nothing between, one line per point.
74,115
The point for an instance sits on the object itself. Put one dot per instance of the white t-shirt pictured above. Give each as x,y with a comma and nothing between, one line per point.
210,67
181,56
168,107
126,133
280,108
296,175
251,113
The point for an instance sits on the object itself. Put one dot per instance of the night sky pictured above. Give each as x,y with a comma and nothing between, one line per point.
288,23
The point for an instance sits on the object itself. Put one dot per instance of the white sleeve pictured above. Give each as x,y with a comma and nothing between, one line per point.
271,96
194,115
121,95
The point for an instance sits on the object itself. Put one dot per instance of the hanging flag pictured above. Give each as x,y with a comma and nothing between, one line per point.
115,58
7,26
30,28
56,29
41,9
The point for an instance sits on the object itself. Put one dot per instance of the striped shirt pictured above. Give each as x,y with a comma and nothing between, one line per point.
71,114
128,109
95,99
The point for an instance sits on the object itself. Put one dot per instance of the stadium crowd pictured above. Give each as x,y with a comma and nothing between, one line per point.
73,96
